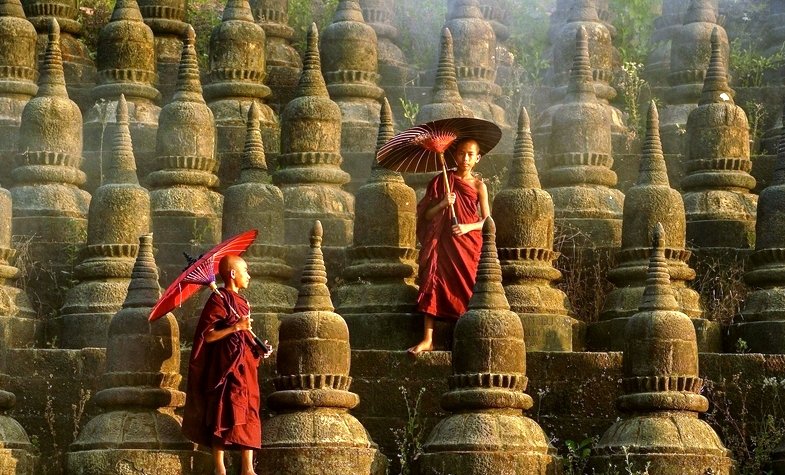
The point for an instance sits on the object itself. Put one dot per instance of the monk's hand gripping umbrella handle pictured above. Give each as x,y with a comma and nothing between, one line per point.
453,218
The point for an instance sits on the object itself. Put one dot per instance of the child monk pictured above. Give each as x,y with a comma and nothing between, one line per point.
222,397
449,253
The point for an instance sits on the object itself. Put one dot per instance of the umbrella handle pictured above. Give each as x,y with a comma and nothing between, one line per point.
266,349
453,218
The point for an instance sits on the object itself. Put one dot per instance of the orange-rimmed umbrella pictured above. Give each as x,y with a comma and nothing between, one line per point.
430,147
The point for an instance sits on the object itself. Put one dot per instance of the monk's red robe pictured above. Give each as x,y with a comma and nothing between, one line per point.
222,395
448,263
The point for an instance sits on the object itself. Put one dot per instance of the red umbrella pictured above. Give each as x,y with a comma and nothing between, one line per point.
430,147
200,272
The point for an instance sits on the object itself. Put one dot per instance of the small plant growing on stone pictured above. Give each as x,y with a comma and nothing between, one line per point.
741,346
751,430
721,287
410,110
756,117
409,439
584,272
748,66
577,456
631,85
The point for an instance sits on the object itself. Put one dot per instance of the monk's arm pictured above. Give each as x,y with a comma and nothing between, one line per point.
214,335
438,207
485,211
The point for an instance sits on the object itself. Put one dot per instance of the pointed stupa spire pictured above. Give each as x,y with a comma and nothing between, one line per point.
189,87
700,11
52,79
778,176
122,167
314,294
652,169
584,10
126,10
254,162
386,132
715,86
348,10
580,74
488,290
658,294
445,87
237,10
143,291
311,80
523,172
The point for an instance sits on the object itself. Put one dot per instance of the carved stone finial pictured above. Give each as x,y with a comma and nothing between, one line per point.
580,82
52,79
254,160
652,167
523,171
122,168
658,294
126,10
314,294
715,86
143,291
386,131
311,80
445,88
446,100
189,86
237,10
488,291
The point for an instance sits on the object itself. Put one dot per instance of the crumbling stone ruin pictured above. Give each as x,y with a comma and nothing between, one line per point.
629,309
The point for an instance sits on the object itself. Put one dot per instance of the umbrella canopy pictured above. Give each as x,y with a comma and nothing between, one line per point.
200,272
419,149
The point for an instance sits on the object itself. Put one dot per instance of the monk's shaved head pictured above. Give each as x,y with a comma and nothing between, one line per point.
227,264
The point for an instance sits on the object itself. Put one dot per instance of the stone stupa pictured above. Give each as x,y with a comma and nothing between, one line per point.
185,208
649,201
78,66
761,323
126,62
236,75
138,430
662,399
49,205
525,222
486,431
350,65
309,168
312,431
255,203
378,296
717,185
119,213
18,77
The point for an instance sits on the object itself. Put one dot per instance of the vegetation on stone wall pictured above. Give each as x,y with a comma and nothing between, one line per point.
751,429
304,12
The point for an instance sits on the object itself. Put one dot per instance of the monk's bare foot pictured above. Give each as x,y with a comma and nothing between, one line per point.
420,347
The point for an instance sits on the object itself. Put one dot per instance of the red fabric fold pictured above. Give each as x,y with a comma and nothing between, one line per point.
222,394
448,263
